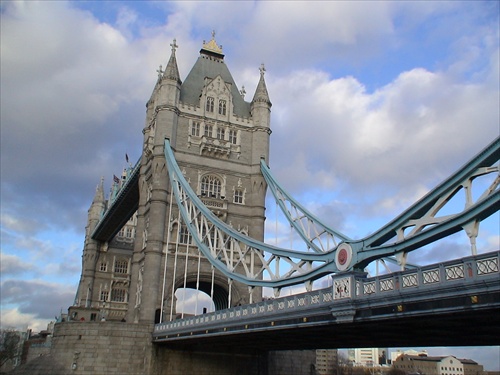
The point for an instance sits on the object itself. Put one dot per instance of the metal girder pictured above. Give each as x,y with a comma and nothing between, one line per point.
236,255
317,235
255,263
421,224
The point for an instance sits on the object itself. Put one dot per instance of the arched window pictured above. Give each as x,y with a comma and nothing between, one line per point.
195,129
210,104
232,136
210,187
221,133
222,107
208,130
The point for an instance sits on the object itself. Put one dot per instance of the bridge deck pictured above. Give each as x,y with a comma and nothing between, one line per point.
452,303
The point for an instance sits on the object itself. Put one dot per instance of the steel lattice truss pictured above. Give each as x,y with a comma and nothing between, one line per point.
255,263
317,236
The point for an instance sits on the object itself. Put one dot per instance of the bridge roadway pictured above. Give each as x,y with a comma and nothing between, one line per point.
455,303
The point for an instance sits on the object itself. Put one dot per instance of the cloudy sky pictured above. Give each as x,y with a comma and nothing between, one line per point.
374,103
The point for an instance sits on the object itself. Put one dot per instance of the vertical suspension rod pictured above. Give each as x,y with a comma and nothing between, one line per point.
175,269
169,229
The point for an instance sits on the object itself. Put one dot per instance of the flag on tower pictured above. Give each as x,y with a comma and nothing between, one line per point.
126,157
116,180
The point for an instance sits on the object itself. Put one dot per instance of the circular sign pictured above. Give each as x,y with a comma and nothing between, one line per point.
343,256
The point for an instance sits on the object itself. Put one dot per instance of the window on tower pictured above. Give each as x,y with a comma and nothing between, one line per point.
118,295
184,235
208,130
232,136
222,107
220,133
195,129
238,196
210,186
121,266
104,295
210,104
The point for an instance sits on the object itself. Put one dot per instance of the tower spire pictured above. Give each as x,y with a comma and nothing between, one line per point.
99,192
171,70
261,94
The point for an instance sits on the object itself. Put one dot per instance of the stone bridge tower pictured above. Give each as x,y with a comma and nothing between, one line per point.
218,140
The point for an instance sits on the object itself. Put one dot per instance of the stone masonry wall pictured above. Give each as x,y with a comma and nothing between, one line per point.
172,362
103,348
100,348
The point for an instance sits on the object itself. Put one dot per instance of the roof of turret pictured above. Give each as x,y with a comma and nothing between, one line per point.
210,64
99,192
212,48
261,94
171,70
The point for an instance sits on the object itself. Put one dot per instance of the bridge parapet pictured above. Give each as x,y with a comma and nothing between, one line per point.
447,273
352,294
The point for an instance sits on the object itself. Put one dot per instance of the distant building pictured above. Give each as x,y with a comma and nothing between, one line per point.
326,361
429,365
396,353
368,356
27,346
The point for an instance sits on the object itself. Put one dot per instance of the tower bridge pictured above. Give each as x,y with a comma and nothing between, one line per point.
190,214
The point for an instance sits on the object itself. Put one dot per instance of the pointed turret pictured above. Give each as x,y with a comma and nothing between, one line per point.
170,83
97,207
261,95
172,71
99,193
261,114
91,248
165,95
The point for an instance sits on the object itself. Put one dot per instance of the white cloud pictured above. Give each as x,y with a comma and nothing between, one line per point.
411,132
13,265
12,318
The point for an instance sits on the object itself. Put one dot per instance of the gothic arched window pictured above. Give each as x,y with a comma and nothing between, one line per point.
210,104
221,132
232,136
208,130
222,107
210,186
